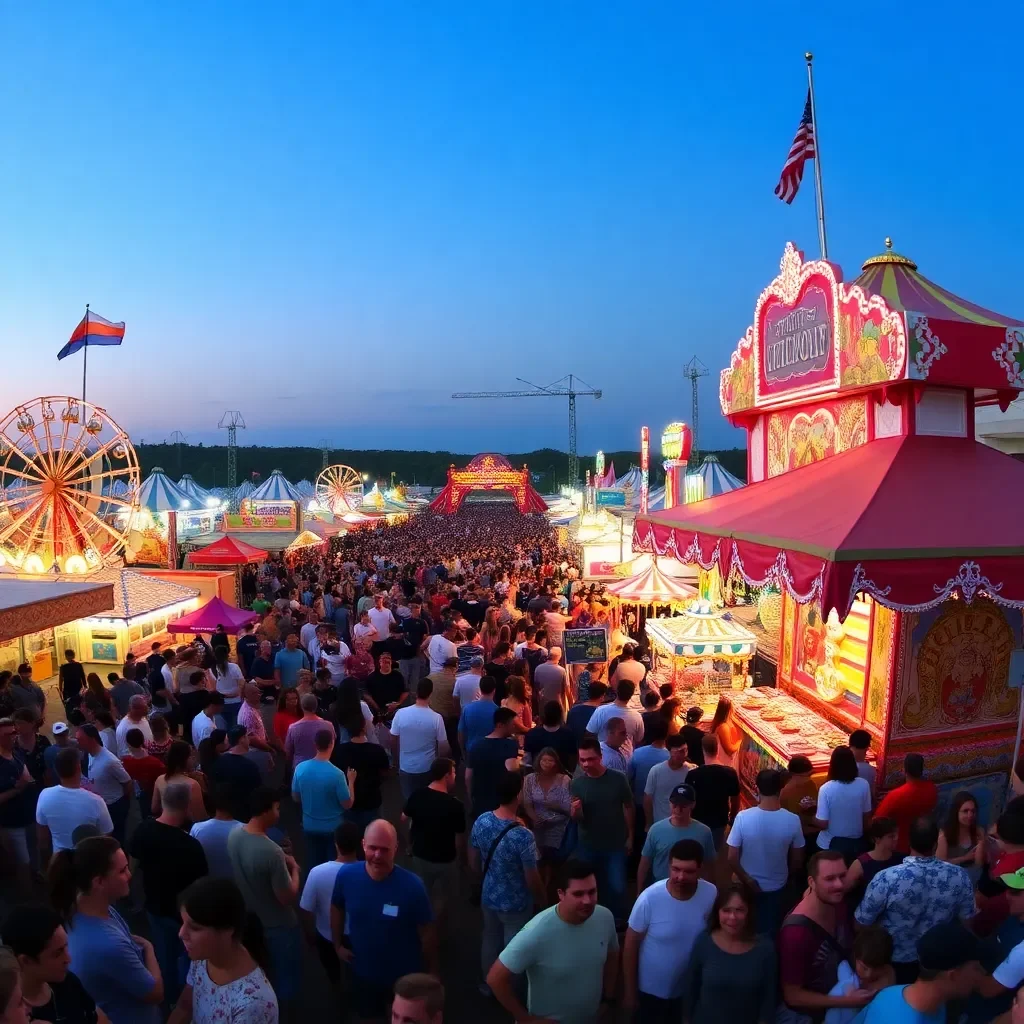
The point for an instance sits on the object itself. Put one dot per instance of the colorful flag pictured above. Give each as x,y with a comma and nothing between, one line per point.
800,152
93,330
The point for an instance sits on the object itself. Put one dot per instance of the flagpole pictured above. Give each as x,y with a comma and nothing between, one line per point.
818,195
85,352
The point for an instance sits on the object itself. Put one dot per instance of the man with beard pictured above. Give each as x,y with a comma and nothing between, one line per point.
663,926
815,938
569,953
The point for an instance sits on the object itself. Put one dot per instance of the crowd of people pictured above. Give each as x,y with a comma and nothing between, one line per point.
405,695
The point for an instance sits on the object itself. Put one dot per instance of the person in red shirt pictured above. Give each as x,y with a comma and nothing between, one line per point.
916,798
143,768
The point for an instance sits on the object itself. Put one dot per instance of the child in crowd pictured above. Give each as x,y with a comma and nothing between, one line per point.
869,968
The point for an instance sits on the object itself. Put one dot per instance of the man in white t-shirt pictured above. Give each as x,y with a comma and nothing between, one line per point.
364,630
441,647
663,926
308,633
135,719
381,618
467,686
318,890
418,737
620,708
663,778
764,849
64,807
628,667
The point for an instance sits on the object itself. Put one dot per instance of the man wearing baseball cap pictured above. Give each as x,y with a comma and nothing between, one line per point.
664,834
998,988
948,954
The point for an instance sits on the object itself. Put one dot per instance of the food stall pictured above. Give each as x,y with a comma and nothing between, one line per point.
884,525
702,650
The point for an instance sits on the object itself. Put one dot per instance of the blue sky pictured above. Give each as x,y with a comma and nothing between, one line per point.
331,216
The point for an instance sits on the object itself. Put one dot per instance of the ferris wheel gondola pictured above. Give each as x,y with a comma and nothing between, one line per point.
339,489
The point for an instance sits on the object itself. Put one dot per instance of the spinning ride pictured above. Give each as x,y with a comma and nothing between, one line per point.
66,471
339,489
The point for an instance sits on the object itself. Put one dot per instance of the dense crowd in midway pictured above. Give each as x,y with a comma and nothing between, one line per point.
406,691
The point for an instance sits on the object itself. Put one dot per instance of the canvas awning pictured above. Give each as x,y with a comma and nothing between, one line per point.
214,613
227,551
651,586
907,520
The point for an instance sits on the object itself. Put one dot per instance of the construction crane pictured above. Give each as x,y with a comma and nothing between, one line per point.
326,448
694,370
232,421
565,387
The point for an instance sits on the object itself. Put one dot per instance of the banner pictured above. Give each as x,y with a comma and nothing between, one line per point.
259,522
606,496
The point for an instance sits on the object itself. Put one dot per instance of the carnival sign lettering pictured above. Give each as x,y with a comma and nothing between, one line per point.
797,341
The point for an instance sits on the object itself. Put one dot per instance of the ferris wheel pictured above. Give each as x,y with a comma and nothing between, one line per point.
69,483
339,489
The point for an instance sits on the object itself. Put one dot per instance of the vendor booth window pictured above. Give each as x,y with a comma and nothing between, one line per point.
830,657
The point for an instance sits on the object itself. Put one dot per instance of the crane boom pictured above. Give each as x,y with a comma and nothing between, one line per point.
555,390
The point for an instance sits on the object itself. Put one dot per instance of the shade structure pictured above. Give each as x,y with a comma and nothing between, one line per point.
213,614
909,521
276,488
159,493
306,539
227,551
244,490
717,479
702,633
201,497
651,586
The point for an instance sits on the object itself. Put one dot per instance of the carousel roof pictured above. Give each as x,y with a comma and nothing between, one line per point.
702,633
651,586
276,488
159,493
903,519
897,279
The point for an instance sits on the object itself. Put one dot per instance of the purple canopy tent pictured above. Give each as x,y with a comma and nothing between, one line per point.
213,614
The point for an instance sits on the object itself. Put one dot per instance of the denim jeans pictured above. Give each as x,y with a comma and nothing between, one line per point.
362,818
655,1010
500,927
319,848
170,955
610,871
769,910
229,712
285,947
409,782
118,811
412,671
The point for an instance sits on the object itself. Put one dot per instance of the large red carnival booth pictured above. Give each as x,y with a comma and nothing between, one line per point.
891,533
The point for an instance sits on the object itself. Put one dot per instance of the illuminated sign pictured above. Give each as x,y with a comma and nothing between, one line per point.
599,463
797,341
645,465
606,496
676,442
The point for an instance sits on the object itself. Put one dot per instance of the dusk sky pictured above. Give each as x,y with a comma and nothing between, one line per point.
331,216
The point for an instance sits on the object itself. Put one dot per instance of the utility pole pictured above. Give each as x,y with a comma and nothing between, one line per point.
177,439
694,370
232,421
325,447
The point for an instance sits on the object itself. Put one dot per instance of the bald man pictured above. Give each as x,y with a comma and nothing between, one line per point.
391,930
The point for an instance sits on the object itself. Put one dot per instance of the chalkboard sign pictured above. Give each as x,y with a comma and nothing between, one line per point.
580,646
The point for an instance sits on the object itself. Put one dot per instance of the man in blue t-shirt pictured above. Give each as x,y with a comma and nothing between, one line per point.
289,662
477,718
390,922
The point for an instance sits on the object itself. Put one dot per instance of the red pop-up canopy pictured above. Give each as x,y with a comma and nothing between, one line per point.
227,551
213,614
908,520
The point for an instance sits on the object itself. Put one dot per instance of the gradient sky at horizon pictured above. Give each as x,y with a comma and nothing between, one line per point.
330,216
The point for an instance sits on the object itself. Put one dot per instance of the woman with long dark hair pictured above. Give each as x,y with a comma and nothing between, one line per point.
731,973
179,759
226,980
118,969
844,807
347,704
960,838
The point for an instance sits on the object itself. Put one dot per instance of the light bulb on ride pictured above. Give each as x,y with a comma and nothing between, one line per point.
33,563
75,564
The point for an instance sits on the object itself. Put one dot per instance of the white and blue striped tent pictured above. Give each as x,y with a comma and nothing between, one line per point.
305,488
159,493
201,497
243,490
717,479
276,488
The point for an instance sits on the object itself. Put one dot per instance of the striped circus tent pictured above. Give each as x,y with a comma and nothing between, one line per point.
159,493
276,488
243,490
717,479
201,497
305,488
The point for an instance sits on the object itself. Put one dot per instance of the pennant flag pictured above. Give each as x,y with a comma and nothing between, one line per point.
93,330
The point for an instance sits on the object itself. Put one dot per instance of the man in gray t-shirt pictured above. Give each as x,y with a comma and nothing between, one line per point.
663,778
550,681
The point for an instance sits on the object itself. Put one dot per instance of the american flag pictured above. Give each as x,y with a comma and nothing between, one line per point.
800,152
